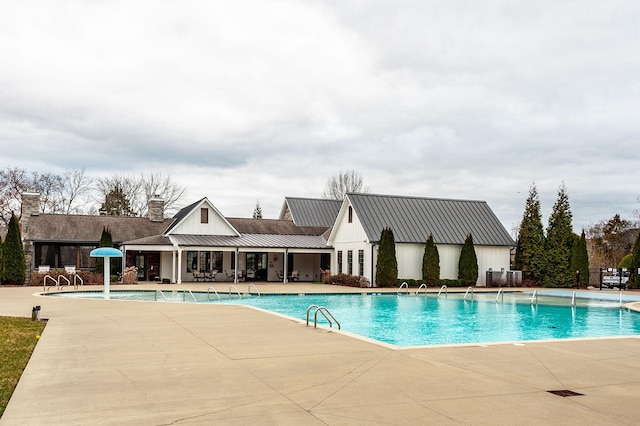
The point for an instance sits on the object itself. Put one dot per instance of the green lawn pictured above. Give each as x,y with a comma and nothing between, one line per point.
18,338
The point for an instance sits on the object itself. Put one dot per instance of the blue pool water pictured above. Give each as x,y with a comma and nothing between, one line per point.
408,320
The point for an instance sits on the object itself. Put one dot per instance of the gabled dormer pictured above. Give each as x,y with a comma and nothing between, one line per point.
201,218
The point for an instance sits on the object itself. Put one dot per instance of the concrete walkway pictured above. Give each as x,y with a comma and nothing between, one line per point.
132,363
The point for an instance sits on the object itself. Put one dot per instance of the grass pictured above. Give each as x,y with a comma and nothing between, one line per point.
18,338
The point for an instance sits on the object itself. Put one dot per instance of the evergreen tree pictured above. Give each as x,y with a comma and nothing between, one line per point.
558,244
14,264
530,256
105,241
430,263
634,277
116,203
580,258
468,263
257,212
387,264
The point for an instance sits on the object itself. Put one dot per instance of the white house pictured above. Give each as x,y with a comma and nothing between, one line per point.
356,234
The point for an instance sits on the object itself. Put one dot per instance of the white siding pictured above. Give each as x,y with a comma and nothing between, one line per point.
409,258
191,224
166,261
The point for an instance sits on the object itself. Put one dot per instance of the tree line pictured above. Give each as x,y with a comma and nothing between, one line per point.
74,192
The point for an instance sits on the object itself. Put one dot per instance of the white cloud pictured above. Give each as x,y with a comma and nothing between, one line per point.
252,100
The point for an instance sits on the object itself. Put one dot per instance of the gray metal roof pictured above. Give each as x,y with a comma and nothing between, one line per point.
312,211
412,219
253,241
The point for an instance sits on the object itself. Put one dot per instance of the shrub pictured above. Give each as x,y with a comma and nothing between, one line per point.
430,262
14,264
468,263
387,264
347,280
88,278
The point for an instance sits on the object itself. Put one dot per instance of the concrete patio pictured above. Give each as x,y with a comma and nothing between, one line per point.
108,362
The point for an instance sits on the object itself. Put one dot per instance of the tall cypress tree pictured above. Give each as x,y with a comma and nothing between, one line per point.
530,256
14,264
634,277
580,258
105,241
430,263
558,243
468,263
387,264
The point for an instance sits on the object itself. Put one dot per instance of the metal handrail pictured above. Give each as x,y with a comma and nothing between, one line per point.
403,285
467,292
444,287
423,285
64,278
44,283
254,287
161,294
77,277
184,295
237,291
500,292
209,292
325,313
534,297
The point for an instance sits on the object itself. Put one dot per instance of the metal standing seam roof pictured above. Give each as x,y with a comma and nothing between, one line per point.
313,211
253,240
412,219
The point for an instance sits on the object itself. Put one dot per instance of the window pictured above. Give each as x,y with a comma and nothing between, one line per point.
192,261
350,214
339,261
361,262
204,215
350,261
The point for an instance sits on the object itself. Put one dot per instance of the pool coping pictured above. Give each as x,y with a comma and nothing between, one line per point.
110,363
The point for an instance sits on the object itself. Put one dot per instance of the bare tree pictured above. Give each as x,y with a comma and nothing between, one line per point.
160,185
340,184
13,182
49,186
75,185
139,190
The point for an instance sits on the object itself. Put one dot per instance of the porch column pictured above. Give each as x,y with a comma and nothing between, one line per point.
286,266
173,266
179,266
235,267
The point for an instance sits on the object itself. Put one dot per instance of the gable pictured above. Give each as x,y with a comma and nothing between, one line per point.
310,211
201,218
412,219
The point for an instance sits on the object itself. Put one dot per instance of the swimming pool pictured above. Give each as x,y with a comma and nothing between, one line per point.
409,320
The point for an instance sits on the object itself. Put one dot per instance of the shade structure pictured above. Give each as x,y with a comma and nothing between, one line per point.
106,252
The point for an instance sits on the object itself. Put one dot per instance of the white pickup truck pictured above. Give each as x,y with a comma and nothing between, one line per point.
611,281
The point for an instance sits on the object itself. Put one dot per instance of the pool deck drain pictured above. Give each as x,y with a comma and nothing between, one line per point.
107,362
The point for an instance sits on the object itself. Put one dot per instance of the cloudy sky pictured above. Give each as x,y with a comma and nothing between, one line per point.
250,100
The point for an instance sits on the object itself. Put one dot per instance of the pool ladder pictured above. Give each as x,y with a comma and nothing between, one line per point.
500,293
469,289
57,284
325,313
444,287
403,285
422,286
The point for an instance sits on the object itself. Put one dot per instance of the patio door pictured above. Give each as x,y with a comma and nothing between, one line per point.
257,266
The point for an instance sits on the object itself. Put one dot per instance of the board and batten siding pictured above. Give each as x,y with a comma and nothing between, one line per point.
409,257
216,226
350,236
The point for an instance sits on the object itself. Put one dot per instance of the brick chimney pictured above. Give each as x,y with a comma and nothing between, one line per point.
156,209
